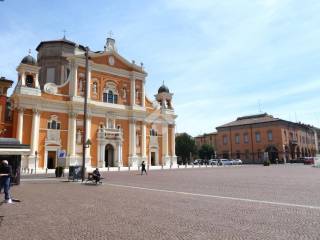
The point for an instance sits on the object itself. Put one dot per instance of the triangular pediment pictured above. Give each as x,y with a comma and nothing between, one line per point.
114,59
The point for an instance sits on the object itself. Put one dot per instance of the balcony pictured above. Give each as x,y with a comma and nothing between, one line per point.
109,133
154,140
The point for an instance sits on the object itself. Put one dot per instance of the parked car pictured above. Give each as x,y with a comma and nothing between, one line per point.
226,162
213,162
197,162
237,162
308,160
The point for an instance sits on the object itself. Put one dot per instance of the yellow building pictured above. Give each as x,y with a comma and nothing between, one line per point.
124,126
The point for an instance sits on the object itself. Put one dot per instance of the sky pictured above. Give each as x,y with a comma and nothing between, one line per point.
221,59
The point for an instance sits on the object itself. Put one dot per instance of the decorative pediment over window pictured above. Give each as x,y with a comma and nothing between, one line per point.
53,131
110,93
110,86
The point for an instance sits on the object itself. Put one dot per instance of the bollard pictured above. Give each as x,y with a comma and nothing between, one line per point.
129,168
46,170
108,168
118,168
206,165
192,165
178,165
28,170
31,171
199,165
162,166
185,166
170,165
148,167
138,168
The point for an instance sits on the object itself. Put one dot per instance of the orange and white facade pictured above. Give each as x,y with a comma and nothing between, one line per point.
124,126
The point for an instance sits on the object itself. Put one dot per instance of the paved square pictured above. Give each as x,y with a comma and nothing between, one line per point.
247,202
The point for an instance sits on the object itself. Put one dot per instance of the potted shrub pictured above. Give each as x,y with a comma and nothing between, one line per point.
59,171
266,162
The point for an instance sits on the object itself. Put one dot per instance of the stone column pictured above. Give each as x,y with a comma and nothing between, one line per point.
34,138
20,125
88,136
133,90
144,141
36,82
173,145
143,94
89,83
23,79
72,130
120,155
165,155
133,159
74,79
99,160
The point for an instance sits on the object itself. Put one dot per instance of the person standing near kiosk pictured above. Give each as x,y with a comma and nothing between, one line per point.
5,178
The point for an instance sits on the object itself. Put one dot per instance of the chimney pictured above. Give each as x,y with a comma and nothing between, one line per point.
110,45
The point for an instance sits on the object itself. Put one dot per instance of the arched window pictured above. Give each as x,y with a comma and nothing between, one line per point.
110,93
29,81
110,97
53,123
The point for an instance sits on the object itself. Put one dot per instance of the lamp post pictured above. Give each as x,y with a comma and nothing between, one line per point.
85,115
35,162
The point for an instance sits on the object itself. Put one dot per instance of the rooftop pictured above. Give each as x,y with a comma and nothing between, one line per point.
251,119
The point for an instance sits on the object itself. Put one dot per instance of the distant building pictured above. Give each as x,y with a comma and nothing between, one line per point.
251,138
207,138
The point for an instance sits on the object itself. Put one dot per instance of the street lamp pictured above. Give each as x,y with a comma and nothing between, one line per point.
35,162
85,115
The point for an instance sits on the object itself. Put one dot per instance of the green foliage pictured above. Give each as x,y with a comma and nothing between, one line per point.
185,145
206,151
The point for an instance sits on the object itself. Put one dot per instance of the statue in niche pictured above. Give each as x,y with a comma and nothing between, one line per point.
79,137
95,87
124,93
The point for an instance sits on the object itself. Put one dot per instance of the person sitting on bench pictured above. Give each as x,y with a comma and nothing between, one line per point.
96,175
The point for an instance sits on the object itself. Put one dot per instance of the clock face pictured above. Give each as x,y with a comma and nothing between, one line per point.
111,60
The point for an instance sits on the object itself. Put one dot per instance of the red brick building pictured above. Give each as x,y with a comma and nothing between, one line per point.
250,138
207,138
5,108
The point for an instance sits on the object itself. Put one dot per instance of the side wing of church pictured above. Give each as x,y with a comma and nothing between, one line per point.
123,125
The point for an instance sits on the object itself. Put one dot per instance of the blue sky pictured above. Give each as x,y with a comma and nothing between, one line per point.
221,59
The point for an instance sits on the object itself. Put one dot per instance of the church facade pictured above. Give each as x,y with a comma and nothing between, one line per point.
124,127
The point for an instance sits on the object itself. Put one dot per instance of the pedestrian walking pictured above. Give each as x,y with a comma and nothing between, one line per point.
143,168
5,178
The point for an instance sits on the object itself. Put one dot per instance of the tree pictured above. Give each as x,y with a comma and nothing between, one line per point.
206,151
185,145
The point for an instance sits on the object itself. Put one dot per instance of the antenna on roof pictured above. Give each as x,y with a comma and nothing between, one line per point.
64,34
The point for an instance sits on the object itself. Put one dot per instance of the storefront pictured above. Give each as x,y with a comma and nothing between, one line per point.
12,150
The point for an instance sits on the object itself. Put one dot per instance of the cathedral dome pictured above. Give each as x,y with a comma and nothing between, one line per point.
163,88
29,60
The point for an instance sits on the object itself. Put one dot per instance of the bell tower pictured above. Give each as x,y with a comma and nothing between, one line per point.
28,76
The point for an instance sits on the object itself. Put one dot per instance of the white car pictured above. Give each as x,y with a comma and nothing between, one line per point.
237,162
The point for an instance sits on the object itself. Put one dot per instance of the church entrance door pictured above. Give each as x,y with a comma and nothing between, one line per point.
109,156
51,160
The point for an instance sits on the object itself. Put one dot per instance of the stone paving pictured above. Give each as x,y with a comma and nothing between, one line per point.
276,202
